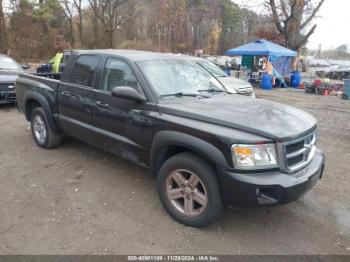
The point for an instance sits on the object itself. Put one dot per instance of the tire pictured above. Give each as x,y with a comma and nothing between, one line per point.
42,132
199,211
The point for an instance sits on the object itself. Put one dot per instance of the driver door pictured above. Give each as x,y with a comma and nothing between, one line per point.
121,126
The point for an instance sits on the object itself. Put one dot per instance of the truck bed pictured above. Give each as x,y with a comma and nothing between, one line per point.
31,84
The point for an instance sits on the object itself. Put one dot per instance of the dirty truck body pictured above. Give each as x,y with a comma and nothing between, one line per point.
205,149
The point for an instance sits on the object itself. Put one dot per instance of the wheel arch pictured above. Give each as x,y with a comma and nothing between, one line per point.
33,100
169,143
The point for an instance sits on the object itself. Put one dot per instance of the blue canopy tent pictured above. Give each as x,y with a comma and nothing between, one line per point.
261,48
279,56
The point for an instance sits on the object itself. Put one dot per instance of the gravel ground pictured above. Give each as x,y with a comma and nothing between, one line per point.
79,200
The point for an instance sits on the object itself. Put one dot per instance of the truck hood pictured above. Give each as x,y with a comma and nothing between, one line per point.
8,76
265,118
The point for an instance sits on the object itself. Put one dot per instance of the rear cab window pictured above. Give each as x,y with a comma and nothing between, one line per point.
84,70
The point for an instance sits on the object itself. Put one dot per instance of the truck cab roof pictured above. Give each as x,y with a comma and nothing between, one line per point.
132,55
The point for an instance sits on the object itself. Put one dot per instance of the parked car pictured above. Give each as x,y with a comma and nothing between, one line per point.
339,72
204,146
9,70
232,84
221,61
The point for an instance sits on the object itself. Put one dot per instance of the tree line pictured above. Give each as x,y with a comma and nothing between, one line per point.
28,27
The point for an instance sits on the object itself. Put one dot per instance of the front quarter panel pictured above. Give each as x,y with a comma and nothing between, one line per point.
212,142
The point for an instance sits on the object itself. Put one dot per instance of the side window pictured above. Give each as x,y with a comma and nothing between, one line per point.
118,73
84,70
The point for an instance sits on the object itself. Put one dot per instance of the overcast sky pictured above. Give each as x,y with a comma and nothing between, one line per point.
333,25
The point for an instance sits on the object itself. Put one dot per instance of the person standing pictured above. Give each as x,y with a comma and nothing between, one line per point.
60,44
228,68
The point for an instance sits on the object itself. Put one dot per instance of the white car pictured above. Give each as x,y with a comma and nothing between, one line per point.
232,84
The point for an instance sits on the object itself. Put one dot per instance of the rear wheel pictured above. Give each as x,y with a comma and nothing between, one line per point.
189,191
42,133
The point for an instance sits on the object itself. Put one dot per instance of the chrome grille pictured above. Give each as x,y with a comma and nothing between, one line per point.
298,153
245,91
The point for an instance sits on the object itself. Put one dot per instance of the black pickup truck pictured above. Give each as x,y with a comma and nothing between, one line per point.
205,146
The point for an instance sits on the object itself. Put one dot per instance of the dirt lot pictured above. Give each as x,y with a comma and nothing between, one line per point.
79,200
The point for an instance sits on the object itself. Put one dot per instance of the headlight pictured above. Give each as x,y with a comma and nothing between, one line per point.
254,156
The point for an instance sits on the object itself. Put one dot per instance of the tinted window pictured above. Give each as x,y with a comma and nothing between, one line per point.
118,73
84,70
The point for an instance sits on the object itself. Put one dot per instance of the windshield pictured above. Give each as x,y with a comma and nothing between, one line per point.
212,68
175,76
8,63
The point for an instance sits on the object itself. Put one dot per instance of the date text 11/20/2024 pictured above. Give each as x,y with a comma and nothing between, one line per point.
173,258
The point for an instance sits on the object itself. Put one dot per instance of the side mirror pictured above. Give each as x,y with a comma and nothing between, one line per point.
25,66
127,92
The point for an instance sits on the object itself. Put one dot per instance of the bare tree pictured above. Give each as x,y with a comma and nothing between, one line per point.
95,26
108,12
292,17
164,25
79,8
68,12
3,42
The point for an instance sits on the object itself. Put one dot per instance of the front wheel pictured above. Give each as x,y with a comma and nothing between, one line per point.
42,133
189,190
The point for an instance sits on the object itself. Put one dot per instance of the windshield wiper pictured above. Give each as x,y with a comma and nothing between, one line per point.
180,94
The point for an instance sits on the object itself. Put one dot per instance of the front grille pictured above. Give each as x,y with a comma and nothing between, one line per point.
6,87
245,91
7,92
295,147
297,154
295,160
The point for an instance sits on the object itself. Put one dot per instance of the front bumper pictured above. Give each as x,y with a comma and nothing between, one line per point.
272,188
7,97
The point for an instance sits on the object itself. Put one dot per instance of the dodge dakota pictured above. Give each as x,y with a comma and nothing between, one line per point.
206,148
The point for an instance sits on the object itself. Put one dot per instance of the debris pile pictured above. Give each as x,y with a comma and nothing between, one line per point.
323,87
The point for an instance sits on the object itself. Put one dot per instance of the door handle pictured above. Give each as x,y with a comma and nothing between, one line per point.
102,105
65,94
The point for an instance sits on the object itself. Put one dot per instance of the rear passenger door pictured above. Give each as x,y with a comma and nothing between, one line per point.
76,98
122,126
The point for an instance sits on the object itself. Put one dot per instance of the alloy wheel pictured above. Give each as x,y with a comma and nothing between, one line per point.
186,192
39,129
